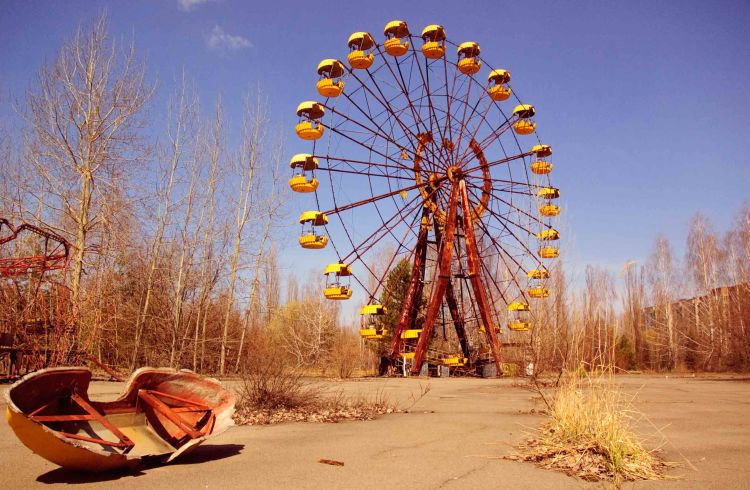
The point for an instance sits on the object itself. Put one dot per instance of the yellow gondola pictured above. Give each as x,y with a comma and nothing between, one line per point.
548,193
434,41
541,164
549,252
370,326
360,43
547,235
497,79
395,33
518,316
302,164
538,292
330,71
541,151
411,334
537,278
455,361
541,167
549,210
468,64
524,125
309,237
309,127
336,288
541,273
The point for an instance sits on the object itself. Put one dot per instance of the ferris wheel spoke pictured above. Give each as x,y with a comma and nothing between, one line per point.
383,100
375,133
380,279
502,221
368,163
503,254
430,106
413,205
512,206
359,172
346,207
363,145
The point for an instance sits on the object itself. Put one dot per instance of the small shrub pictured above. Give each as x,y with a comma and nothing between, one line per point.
590,434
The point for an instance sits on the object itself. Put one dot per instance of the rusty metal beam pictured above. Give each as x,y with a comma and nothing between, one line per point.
480,295
445,256
450,299
416,284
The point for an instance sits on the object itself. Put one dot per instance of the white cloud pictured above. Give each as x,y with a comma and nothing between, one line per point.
222,41
189,5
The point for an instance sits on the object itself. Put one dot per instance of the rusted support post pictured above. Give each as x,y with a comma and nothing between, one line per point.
416,284
450,299
445,254
472,255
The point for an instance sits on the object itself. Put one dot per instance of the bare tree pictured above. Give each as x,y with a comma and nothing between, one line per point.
83,117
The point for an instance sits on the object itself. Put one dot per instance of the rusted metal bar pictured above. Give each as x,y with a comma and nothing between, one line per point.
450,298
480,295
165,410
125,440
416,282
445,256
106,368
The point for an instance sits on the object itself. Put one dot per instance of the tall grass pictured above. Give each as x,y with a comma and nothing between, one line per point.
590,433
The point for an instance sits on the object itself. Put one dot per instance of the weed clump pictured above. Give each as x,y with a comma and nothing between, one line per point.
274,393
590,434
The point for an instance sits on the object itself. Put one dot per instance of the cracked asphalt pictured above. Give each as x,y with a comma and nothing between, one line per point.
452,437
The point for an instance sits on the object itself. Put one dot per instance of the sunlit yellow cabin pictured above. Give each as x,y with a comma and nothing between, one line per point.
537,279
309,127
310,238
541,167
518,316
455,361
538,273
396,38
549,210
330,83
337,281
360,57
524,124
548,193
549,252
407,355
468,64
371,328
303,178
411,334
541,151
548,235
497,80
541,164
434,41
535,292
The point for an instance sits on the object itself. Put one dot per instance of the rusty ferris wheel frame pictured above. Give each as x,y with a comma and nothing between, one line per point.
407,122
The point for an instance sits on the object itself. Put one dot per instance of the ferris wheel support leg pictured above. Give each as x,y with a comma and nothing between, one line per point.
458,322
445,255
480,294
416,285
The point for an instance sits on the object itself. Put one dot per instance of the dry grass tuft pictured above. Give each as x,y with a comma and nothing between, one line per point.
590,434
273,394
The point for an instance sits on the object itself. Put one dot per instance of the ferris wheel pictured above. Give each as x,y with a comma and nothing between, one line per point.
414,142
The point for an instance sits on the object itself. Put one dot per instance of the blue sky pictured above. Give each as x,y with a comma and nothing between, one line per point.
645,103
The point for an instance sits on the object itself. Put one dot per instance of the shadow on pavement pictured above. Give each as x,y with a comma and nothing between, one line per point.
201,454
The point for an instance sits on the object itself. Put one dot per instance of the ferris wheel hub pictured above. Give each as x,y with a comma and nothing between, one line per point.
454,173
